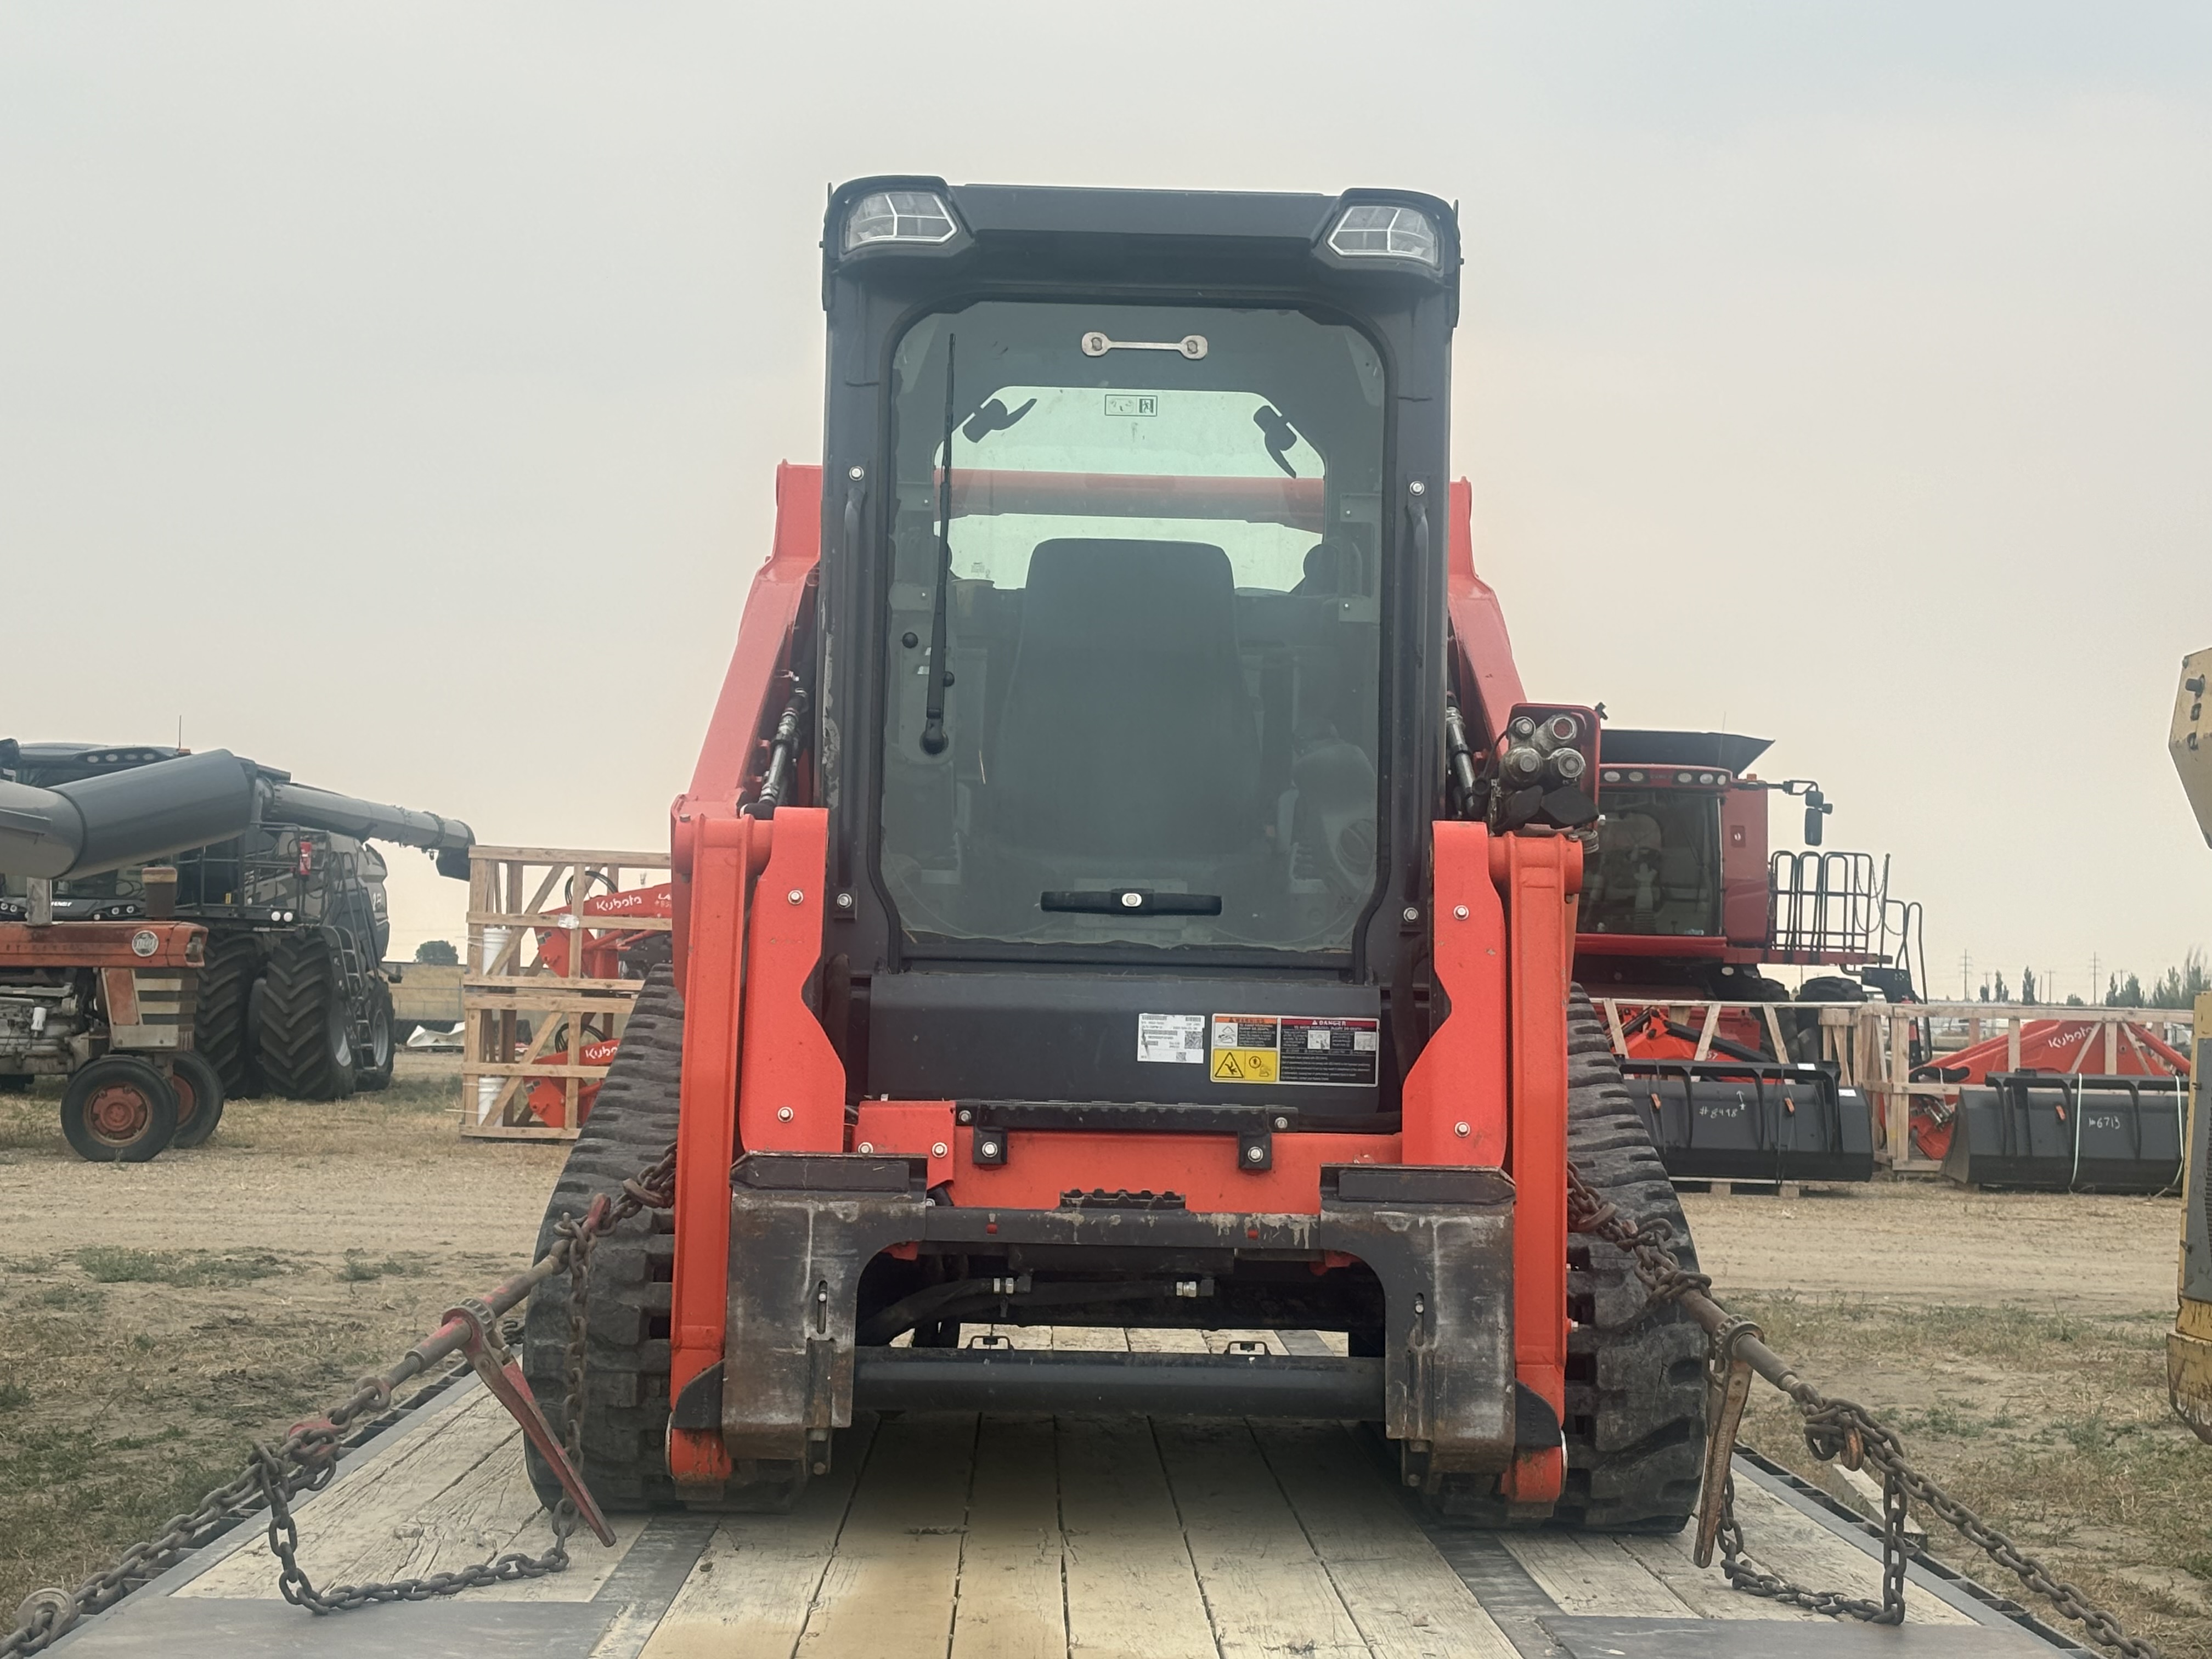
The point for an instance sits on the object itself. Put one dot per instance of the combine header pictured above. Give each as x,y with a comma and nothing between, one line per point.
1123,885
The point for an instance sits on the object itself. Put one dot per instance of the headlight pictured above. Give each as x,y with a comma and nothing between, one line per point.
145,942
1377,230
899,216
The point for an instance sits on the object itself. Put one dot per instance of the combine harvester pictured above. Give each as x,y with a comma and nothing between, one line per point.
1097,1175
252,956
1683,909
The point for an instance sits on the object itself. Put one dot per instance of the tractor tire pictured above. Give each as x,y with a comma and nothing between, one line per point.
373,1069
223,1028
1804,1029
1755,986
305,1037
199,1098
1635,1422
119,1110
625,1403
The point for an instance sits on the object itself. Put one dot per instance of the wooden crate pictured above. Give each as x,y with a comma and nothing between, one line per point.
524,998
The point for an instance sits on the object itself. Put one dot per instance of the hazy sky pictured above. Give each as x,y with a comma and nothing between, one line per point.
393,392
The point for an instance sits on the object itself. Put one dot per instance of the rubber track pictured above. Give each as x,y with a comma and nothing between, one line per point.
299,985
219,1030
626,1370
1635,1408
1635,1404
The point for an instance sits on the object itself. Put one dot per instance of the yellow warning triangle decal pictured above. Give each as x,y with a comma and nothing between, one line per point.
1226,1065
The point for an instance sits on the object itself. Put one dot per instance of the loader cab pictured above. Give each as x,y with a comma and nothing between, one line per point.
1130,628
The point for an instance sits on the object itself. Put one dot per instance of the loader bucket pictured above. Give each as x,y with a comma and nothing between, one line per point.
2051,1133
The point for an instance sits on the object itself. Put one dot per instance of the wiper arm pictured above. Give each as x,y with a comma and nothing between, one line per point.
1132,901
933,739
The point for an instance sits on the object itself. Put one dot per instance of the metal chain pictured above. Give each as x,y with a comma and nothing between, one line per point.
1834,1429
307,1459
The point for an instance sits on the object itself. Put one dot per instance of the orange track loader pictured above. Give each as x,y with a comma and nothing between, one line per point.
1124,885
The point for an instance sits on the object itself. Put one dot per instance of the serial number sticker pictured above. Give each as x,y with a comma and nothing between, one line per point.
1171,1039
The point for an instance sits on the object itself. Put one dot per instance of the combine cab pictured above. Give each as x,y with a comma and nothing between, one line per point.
1124,885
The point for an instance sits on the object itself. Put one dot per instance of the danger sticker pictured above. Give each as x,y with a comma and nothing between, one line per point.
1171,1039
1341,1051
1295,1049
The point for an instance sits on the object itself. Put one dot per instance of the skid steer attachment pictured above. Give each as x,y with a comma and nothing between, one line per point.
1125,886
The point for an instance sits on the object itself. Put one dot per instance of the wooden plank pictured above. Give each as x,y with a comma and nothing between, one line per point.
569,856
525,996
571,922
1267,1592
1009,1605
1800,1548
1703,1589
1407,1602
446,1500
1090,1338
1130,1585
1591,1575
498,981
750,1594
889,1590
1145,1340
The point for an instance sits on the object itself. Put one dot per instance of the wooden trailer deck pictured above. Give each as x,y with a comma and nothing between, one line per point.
960,1537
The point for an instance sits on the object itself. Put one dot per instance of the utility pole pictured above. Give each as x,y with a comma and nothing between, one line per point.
1965,973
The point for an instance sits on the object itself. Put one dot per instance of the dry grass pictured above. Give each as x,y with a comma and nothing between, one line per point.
2054,1427
157,1319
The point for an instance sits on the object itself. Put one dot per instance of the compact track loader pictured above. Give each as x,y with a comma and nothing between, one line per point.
1124,884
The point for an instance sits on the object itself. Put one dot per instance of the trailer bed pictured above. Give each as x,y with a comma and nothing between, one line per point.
965,1537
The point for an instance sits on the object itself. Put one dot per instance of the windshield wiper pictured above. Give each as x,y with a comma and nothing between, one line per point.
1132,901
932,711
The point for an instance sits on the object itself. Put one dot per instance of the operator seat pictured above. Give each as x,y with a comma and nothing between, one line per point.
1128,734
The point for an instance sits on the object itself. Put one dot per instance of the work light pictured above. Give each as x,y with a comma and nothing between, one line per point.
899,216
1377,230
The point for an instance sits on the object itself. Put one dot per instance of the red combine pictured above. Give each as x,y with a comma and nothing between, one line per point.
1124,884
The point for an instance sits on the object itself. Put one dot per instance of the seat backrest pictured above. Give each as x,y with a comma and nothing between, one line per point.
1127,728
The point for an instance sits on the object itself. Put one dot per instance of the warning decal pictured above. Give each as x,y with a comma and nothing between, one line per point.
1245,1047
1296,1048
1331,1050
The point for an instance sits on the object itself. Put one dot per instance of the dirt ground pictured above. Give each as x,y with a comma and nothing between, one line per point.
2016,1342
156,1318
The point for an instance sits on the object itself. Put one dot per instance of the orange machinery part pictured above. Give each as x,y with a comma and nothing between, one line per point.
758,1071
603,946
2060,1046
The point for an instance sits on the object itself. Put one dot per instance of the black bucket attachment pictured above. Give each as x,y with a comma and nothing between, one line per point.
1737,1121
2054,1133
